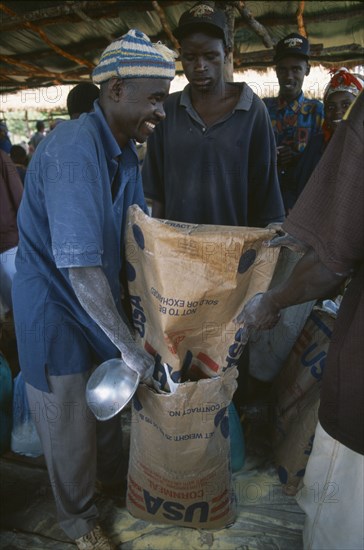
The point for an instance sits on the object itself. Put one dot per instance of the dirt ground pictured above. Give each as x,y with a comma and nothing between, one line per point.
267,518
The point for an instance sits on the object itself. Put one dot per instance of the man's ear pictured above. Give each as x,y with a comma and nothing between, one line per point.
115,88
308,69
227,51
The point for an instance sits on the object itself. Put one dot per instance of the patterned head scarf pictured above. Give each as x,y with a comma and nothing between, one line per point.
343,80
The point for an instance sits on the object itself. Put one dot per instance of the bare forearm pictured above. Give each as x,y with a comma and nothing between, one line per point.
309,280
93,292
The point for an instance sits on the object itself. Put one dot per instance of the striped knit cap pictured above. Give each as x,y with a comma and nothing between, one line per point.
135,56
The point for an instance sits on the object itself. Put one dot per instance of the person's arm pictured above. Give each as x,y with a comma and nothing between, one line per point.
11,180
93,292
309,280
286,156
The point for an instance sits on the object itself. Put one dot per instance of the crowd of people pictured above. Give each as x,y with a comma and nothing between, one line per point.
80,100
216,154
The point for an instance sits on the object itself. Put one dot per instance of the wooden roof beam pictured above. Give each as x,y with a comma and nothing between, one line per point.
32,69
281,20
257,27
45,39
53,14
165,25
68,12
319,54
300,22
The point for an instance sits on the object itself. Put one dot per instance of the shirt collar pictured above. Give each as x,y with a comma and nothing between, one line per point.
294,105
244,103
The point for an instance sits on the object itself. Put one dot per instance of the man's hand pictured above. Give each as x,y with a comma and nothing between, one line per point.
284,239
260,313
285,156
138,360
275,226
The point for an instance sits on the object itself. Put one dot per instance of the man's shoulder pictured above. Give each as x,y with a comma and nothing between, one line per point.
72,136
311,100
246,90
248,98
269,100
313,104
173,99
271,103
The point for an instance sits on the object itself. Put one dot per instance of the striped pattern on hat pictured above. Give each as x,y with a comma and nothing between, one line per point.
135,56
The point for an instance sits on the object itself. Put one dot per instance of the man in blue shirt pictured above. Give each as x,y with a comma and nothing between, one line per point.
67,308
294,117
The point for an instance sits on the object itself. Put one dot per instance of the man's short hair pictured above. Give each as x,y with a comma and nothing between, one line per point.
81,98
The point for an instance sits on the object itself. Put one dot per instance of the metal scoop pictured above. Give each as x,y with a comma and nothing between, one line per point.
110,387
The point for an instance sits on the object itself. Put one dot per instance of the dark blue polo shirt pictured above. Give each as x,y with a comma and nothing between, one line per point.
223,174
67,218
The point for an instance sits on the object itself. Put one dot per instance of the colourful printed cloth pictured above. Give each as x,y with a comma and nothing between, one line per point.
295,122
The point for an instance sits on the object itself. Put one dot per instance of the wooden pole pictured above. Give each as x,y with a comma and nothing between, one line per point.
300,22
229,64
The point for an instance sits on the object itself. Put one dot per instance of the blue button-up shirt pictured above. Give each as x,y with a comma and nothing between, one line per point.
296,121
294,124
68,219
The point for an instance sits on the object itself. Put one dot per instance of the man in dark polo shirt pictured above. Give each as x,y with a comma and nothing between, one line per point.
213,159
328,220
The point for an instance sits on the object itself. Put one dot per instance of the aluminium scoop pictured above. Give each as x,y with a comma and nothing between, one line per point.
110,388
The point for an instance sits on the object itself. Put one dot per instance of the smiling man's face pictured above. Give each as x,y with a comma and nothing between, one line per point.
133,107
291,72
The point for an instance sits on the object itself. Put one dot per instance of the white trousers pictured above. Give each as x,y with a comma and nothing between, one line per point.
332,496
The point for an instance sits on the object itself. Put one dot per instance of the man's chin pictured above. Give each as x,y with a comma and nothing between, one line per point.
290,94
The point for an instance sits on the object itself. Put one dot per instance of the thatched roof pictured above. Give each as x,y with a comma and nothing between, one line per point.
59,42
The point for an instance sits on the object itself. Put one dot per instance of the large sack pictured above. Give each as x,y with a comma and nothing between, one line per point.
179,468
187,283
298,398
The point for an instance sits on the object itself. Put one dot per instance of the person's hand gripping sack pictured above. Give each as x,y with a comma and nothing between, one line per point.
261,312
